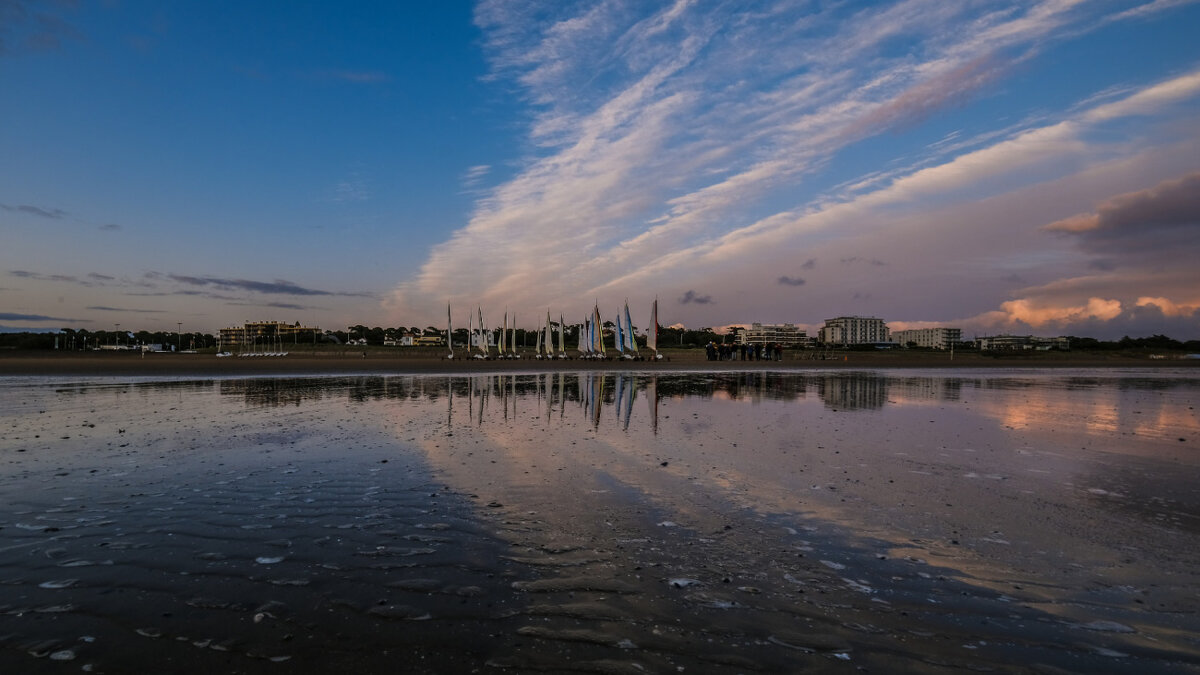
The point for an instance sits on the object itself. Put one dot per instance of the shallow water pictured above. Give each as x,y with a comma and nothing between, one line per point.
602,522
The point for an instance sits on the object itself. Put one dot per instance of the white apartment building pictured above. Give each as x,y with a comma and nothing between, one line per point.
853,330
765,333
931,338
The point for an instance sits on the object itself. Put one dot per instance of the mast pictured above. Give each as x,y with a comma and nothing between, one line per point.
482,333
449,331
562,336
652,331
503,332
598,330
619,340
629,330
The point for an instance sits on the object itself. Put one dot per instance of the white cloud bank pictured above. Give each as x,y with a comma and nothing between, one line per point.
683,151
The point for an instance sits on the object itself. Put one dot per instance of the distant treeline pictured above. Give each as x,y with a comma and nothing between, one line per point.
80,340
1152,343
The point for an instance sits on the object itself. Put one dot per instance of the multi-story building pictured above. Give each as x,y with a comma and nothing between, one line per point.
931,338
764,333
1022,342
853,330
266,333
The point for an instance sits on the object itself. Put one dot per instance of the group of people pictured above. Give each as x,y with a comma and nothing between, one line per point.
770,351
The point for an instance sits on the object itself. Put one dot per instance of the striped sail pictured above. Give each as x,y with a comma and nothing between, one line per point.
632,344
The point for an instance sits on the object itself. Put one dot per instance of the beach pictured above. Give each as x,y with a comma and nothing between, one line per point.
726,520
415,361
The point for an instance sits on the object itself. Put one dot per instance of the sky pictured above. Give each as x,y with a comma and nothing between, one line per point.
1001,167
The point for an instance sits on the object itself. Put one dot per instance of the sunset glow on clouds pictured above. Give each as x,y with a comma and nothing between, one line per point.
995,168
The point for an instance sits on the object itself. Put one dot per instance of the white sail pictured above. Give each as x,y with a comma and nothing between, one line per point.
562,337
549,337
449,331
482,332
503,332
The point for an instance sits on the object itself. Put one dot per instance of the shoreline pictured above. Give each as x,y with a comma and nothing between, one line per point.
375,362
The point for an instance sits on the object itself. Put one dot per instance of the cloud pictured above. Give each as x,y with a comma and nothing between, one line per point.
276,287
4,316
691,297
59,278
34,26
1162,220
681,146
54,214
473,175
123,310
791,281
110,227
273,305
351,190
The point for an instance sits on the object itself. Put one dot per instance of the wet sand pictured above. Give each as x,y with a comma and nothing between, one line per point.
400,361
602,522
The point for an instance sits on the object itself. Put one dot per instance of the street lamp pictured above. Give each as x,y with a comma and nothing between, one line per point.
116,334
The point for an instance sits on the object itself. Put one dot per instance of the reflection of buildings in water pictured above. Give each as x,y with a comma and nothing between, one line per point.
925,388
853,391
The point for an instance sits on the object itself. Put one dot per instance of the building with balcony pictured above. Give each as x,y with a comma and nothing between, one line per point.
1012,343
853,330
785,334
266,334
930,338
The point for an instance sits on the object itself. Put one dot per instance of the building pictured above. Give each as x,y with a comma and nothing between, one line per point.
930,338
764,333
265,334
853,330
1011,343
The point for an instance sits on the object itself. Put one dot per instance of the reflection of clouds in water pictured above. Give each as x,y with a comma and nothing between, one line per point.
919,493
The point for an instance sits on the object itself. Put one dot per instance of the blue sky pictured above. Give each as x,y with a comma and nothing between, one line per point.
1025,167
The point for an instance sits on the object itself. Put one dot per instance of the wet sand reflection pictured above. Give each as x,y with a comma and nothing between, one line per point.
621,522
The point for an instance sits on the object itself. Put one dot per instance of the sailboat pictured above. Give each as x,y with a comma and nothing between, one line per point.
597,333
652,331
482,337
470,332
512,341
632,339
449,332
562,337
619,340
503,331
549,337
